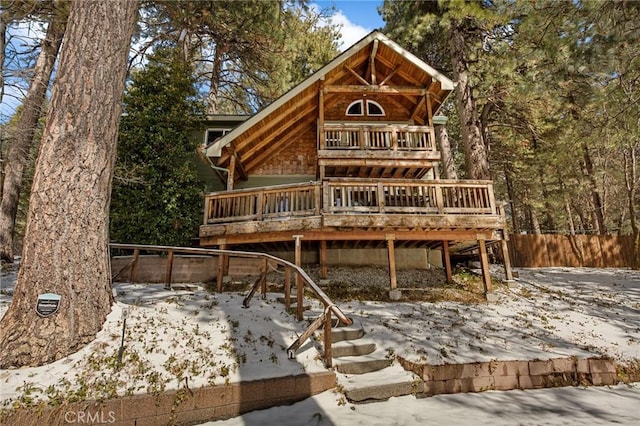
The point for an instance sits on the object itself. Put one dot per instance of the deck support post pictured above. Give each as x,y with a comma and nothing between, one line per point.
484,261
446,261
323,259
393,282
507,261
299,289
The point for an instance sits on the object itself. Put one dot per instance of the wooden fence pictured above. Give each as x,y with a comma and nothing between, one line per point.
598,251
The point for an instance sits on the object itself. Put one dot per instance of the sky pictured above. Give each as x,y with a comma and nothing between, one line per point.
357,17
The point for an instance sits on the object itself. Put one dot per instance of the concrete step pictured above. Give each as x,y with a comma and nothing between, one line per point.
352,348
380,385
361,364
340,334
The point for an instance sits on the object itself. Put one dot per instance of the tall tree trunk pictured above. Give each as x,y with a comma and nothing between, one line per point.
475,151
595,195
630,178
512,197
214,82
442,135
3,43
23,141
66,242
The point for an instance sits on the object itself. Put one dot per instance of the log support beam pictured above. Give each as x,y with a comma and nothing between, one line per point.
446,261
393,282
484,261
323,259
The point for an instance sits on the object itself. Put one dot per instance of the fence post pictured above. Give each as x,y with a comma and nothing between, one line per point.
134,266
169,270
328,356
287,287
265,268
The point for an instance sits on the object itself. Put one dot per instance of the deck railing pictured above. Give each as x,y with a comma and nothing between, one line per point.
390,137
348,195
266,203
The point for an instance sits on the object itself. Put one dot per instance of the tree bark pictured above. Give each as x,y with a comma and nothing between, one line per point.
66,241
631,177
23,141
598,207
442,135
475,150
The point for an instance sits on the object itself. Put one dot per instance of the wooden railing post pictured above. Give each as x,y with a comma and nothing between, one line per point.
134,266
299,288
169,270
265,268
328,356
439,189
287,287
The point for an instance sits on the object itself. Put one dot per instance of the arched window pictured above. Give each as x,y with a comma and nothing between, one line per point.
374,108
355,108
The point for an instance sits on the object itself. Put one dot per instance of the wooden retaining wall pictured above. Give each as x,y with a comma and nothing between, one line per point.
596,251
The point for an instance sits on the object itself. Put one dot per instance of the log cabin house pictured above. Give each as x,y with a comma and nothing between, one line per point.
356,146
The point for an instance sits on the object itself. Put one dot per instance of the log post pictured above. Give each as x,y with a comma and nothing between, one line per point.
134,266
328,356
446,261
507,260
265,268
484,261
393,283
220,274
323,259
169,270
299,289
287,287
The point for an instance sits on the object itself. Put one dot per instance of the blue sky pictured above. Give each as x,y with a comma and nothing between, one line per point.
357,17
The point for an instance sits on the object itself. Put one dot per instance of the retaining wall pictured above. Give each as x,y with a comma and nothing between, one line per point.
507,375
183,407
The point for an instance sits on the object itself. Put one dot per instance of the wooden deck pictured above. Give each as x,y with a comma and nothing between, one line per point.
354,209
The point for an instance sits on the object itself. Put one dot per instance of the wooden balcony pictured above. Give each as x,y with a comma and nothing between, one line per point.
387,151
421,208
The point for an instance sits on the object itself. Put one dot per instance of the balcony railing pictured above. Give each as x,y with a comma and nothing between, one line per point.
352,196
389,137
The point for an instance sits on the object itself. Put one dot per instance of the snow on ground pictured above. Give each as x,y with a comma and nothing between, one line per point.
192,337
558,406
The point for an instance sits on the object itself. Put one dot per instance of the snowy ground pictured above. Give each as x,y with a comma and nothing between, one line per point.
196,338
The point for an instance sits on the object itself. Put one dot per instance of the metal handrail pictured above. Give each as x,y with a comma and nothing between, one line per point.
329,306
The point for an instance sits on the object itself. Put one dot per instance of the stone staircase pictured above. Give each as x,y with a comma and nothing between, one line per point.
366,372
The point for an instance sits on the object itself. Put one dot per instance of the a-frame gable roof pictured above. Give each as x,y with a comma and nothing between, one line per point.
382,62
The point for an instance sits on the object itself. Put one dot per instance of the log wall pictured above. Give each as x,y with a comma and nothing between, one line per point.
596,251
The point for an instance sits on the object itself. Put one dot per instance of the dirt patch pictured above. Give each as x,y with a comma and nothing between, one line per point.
371,283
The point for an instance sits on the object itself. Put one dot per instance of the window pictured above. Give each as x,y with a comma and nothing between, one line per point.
213,134
355,108
374,109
